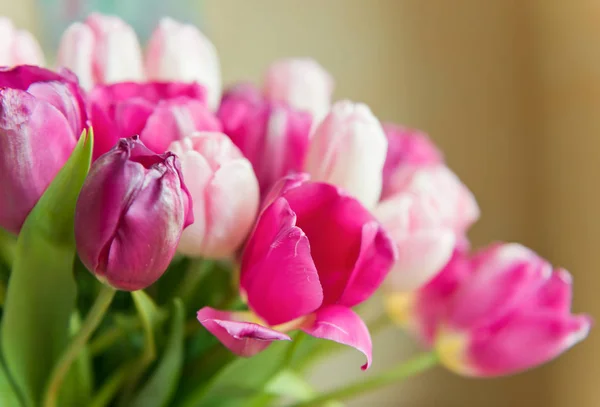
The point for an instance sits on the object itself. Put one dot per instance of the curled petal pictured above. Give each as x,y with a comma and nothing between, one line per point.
279,276
342,325
242,338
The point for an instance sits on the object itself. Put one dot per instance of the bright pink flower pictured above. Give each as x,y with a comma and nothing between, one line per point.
301,83
130,214
406,147
427,216
180,52
159,113
225,193
103,49
42,115
315,252
18,47
273,136
502,311
348,149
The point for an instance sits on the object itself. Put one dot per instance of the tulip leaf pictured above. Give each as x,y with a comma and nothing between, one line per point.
8,393
160,388
242,378
40,297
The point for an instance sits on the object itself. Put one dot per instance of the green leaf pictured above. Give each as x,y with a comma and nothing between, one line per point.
8,394
241,378
160,387
77,388
41,293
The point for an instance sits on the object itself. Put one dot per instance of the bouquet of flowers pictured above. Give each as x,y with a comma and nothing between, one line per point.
164,244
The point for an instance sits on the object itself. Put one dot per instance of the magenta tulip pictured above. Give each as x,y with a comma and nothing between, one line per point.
315,253
130,215
42,116
272,135
159,113
499,312
406,148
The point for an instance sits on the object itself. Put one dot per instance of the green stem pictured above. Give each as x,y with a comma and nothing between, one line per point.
92,320
400,372
110,387
196,272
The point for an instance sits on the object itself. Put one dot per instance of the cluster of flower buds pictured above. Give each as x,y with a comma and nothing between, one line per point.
322,202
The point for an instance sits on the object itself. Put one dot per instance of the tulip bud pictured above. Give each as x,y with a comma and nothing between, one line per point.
348,150
103,49
18,47
499,312
406,148
42,115
159,112
180,52
427,215
225,194
301,83
273,136
130,214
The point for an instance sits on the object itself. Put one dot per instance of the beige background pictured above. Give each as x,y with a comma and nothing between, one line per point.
510,89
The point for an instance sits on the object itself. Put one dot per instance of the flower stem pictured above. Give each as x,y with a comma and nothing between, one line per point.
92,320
400,372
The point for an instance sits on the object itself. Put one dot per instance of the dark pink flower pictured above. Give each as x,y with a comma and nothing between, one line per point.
315,253
159,112
272,135
499,312
42,115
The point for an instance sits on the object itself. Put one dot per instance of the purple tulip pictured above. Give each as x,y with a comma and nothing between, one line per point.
41,117
130,215
314,254
158,112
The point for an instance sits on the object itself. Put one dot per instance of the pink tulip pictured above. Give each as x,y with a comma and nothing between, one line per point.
315,252
273,136
130,214
348,149
502,311
225,194
180,52
103,49
427,216
300,83
159,113
42,115
18,47
406,147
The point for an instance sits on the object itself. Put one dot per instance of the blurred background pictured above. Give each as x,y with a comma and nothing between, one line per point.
509,89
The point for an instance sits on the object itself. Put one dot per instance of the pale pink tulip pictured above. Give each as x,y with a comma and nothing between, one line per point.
427,215
225,194
18,47
180,52
301,83
102,50
348,149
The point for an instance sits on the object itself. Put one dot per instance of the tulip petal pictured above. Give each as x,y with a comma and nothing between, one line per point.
506,276
242,338
59,95
279,276
557,293
342,325
175,119
335,225
40,139
523,341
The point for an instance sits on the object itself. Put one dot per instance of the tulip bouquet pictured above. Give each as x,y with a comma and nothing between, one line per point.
164,244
